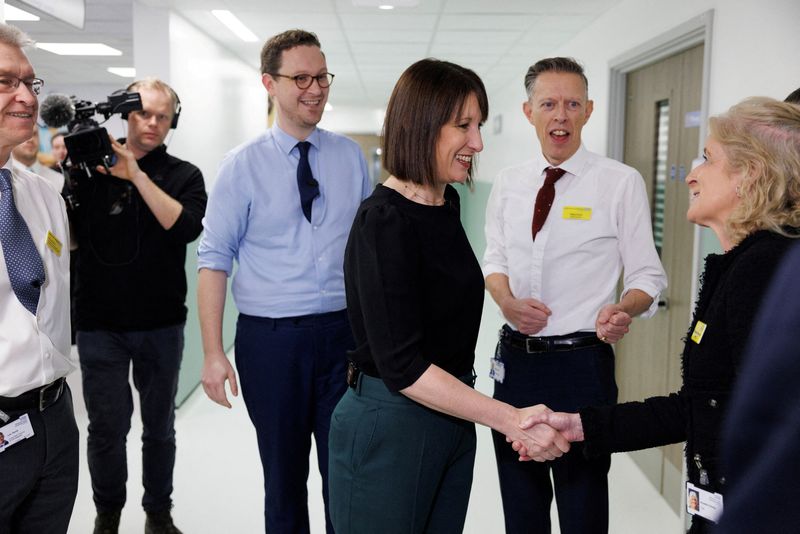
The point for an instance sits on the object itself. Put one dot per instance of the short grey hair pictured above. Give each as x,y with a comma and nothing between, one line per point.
554,64
11,35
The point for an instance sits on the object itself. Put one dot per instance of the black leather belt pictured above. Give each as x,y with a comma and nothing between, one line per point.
354,372
36,399
300,320
533,345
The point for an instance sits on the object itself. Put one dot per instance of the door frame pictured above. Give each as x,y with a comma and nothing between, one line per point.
697,30
694,31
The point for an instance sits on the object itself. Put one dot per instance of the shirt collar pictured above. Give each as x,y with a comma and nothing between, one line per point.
573,165
287,142
12,164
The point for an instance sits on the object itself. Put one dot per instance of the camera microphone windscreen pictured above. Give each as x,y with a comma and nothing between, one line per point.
57,110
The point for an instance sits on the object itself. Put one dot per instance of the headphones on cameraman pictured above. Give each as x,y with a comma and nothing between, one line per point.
176,112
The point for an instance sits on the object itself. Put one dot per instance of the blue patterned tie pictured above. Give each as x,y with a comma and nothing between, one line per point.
23,262
306,184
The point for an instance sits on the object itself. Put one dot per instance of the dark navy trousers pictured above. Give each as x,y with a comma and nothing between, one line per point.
39,476
292,375
565,381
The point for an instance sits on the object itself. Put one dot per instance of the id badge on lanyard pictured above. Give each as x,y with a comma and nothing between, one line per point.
703,503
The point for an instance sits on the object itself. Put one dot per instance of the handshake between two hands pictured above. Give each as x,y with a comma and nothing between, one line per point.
543,434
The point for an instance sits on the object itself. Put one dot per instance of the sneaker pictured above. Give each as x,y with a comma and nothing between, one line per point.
160,523
106,522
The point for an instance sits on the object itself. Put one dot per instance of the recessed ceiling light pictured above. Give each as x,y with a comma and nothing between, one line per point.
79,49
125,72
385,7
15,13
381,3
235,25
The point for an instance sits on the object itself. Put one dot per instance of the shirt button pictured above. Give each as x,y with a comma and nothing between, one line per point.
47,355
316,227
324,292
713,403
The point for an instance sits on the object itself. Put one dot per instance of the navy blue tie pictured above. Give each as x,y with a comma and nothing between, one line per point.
23,262
306,184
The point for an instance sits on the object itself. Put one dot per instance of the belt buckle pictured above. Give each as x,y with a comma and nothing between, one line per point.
352,374
528,348
44,389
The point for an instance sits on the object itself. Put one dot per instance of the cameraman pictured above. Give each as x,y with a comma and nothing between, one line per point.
132,228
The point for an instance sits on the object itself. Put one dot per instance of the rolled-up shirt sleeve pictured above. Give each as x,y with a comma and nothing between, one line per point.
225,222
494,257
641,264
385,255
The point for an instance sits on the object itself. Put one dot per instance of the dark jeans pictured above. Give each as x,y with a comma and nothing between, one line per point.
39,476
106,358
564,381
292,374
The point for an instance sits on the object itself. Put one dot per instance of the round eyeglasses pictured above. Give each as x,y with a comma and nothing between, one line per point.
304,81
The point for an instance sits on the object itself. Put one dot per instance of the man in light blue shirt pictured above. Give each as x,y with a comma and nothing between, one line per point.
282,208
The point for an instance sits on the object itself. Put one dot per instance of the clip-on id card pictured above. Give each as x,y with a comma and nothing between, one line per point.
15,431
703,503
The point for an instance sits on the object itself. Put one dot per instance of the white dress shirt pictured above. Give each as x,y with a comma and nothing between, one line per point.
35,350
599,224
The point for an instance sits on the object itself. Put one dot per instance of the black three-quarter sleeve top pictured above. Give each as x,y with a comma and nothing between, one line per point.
414,288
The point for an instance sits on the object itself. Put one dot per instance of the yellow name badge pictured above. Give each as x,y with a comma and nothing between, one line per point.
53,243
577,213
699,330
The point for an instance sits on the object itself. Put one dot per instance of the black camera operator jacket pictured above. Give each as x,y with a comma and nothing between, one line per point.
130,270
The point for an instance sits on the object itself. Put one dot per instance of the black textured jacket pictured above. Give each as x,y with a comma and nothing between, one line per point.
733,285
130,270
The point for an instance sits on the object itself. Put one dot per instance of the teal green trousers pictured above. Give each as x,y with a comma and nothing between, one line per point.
396,466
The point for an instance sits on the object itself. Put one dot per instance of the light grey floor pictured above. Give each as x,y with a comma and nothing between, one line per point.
218,482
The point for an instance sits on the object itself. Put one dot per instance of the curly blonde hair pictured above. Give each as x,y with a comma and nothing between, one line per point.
761,139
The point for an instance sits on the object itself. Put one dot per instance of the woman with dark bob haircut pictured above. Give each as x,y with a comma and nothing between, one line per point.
747,190
402,440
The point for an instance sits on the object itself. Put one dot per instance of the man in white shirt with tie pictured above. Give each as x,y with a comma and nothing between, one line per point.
39,466
560,229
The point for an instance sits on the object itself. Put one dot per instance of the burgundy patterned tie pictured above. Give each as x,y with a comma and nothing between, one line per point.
544,199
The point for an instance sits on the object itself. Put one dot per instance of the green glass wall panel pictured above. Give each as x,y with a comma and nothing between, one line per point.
192,364
473,214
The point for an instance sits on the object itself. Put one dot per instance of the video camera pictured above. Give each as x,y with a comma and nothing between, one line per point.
87,142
